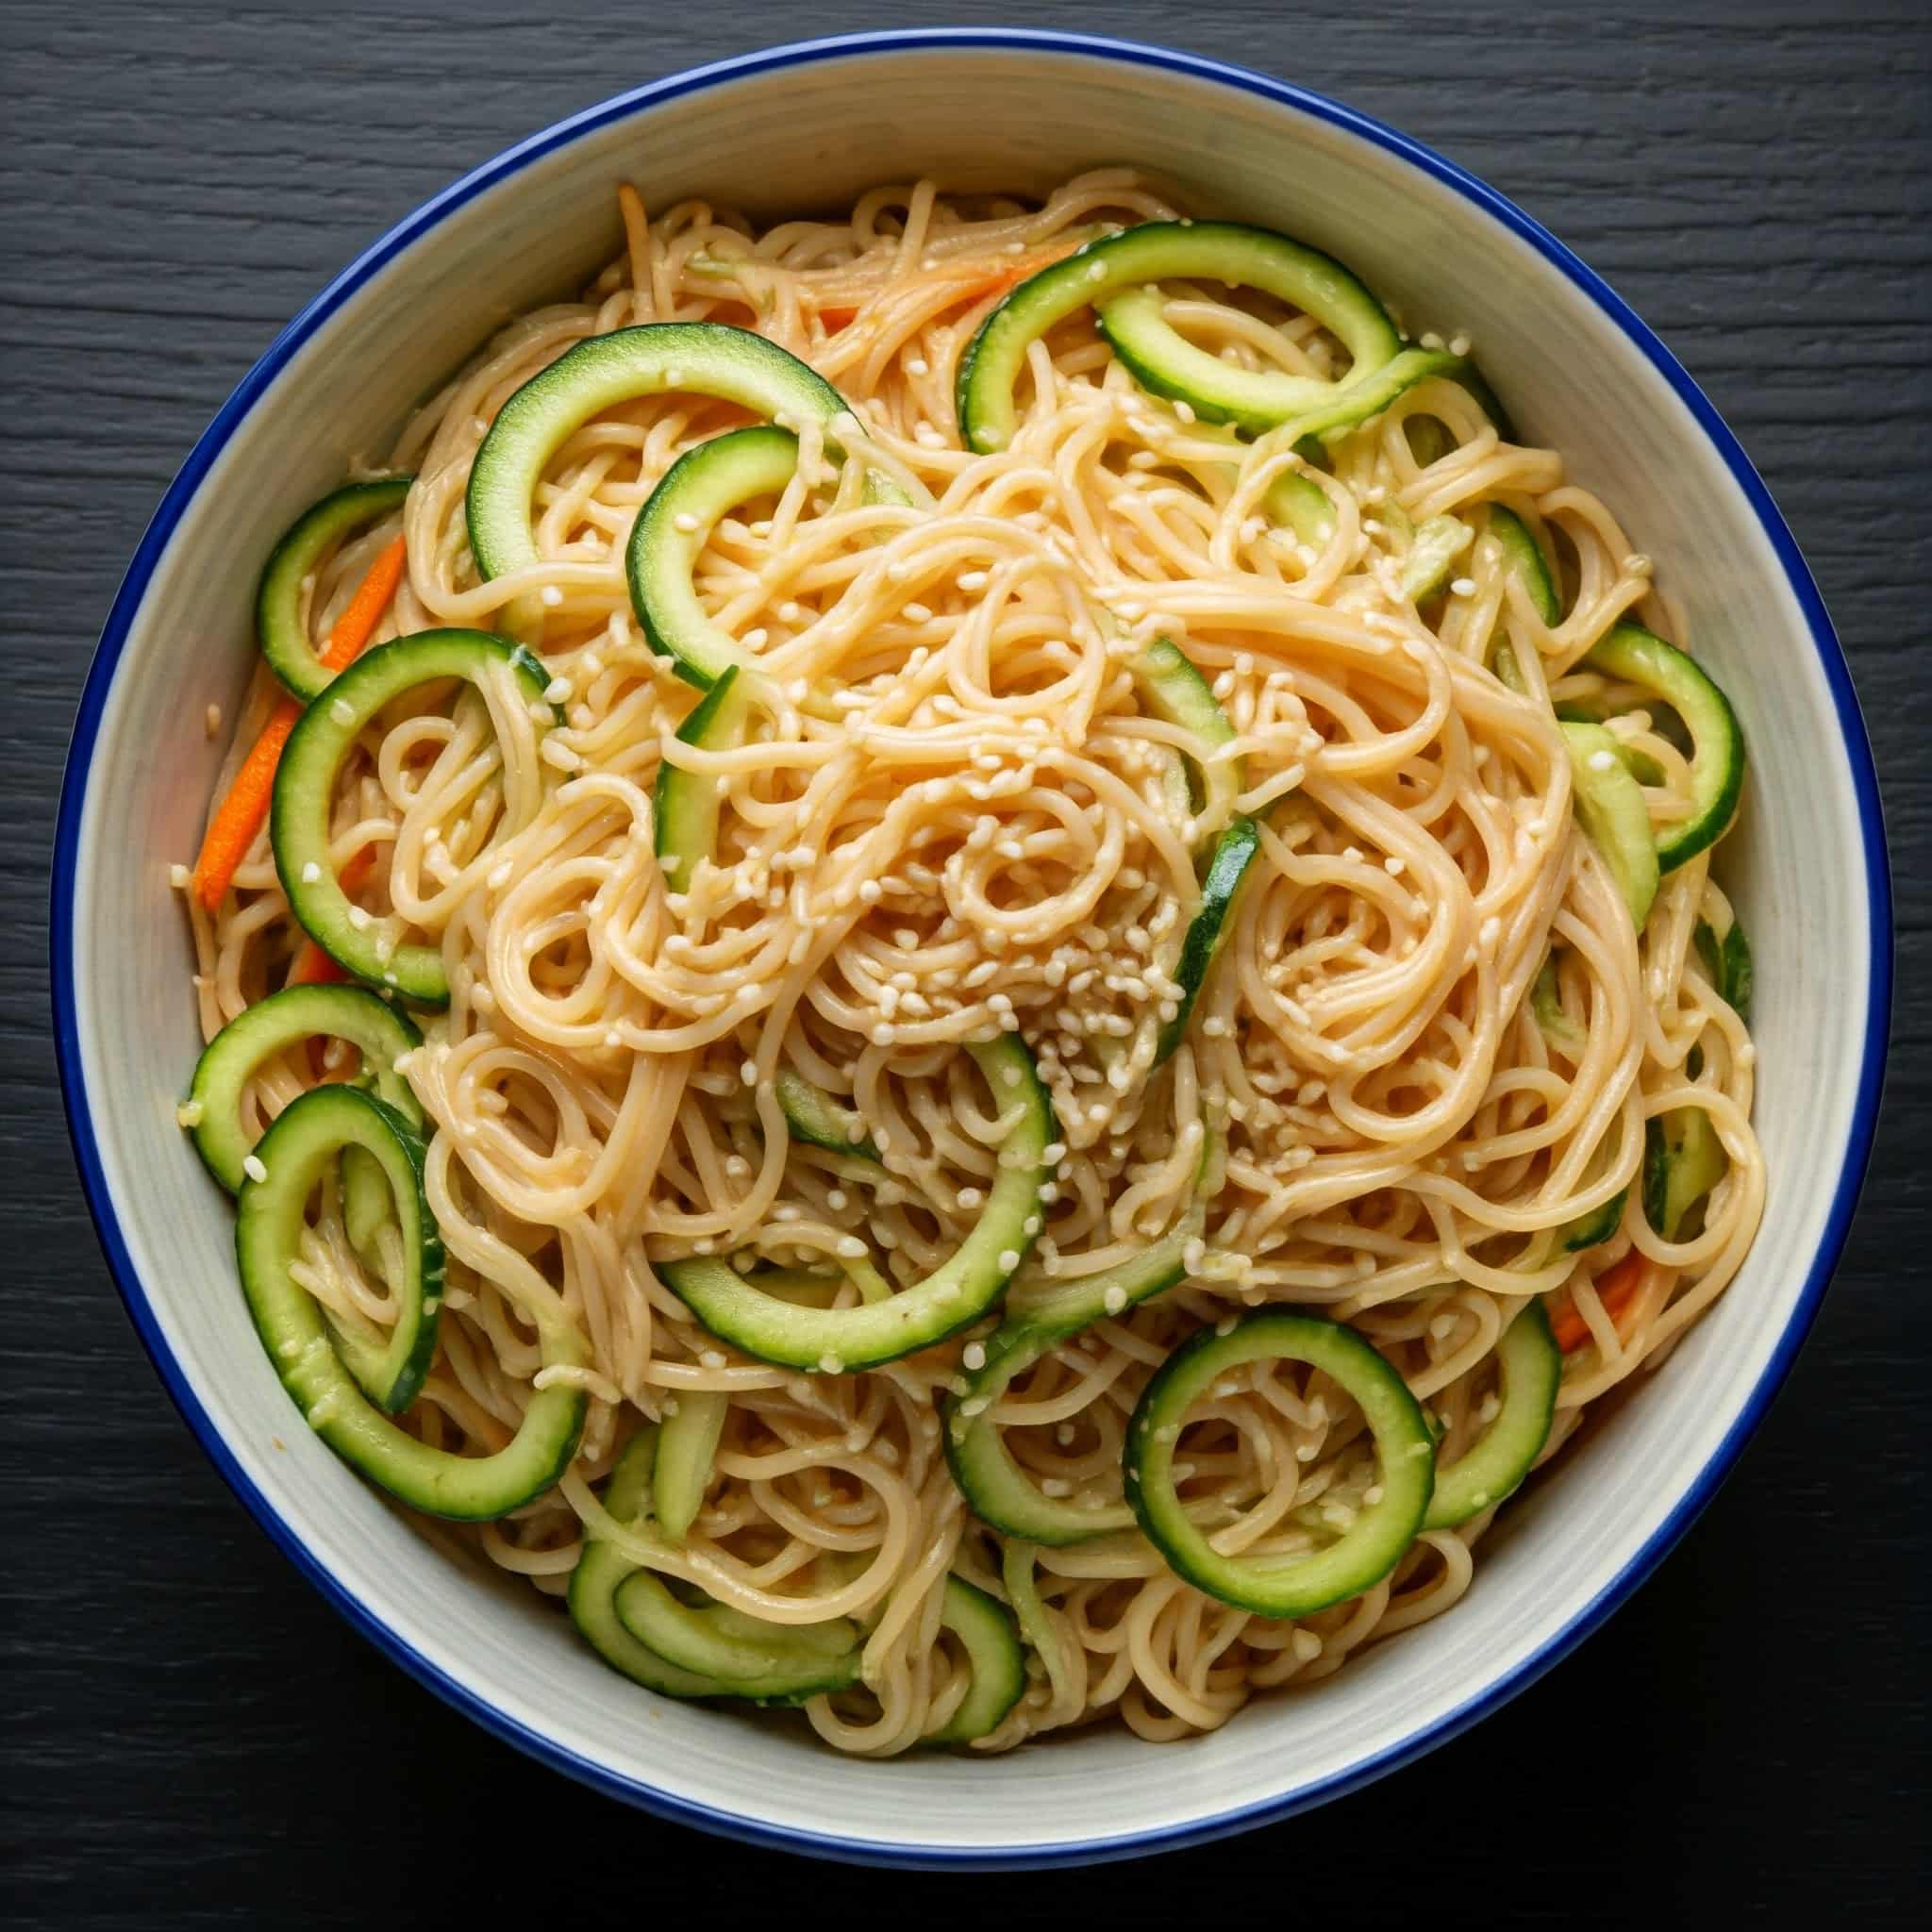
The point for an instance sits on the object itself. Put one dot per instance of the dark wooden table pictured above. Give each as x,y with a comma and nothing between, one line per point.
191,1738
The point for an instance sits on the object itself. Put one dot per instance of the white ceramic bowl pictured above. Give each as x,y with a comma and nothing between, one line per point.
807,127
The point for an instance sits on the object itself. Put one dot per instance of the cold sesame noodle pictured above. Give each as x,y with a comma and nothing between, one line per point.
1434,1075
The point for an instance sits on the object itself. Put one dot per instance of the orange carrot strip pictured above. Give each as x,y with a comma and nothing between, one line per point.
314,967
232,830
1616,1288
353,627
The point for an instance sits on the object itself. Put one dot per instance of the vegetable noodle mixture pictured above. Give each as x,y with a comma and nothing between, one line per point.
965,959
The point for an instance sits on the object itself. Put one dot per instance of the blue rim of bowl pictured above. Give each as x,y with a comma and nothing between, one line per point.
257,381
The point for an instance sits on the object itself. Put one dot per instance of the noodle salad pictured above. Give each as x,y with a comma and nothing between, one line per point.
964,961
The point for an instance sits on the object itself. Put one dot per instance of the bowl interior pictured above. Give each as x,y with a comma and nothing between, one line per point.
810,135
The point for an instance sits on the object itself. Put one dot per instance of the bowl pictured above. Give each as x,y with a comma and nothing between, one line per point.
807,127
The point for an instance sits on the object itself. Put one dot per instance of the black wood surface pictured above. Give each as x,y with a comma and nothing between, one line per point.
191,1737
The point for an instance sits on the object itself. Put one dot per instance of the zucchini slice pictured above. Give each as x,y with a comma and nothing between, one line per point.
740,1655
812,1115
609,1593
1233,855
1226,251
1357,400
1589,1230
365,1199
1298,1584
1501,1457
672,530
1000,1491
1170,688
390,1376
1727,961
990,1639
305,782
304,1138
1438,542
268,1027
603,1568
1683,1160
957,1293
686,805
687,1448
704,357
1546,1003
1610,809
278,626
1632,654
1302,506
1521,552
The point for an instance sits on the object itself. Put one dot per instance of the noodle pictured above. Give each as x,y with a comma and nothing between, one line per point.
979,833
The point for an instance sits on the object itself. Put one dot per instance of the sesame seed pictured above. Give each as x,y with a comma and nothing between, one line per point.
252,1168
974,1357
310,872
1009,1260
1463,586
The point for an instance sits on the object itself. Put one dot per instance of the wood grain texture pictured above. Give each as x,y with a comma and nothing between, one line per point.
189,1736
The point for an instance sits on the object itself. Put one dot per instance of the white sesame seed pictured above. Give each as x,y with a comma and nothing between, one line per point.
1463,586
974,1357
252,1166
1009,1260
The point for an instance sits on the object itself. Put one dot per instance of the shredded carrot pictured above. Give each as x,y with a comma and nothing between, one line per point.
1616,1288
314,967
354,627
240,816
